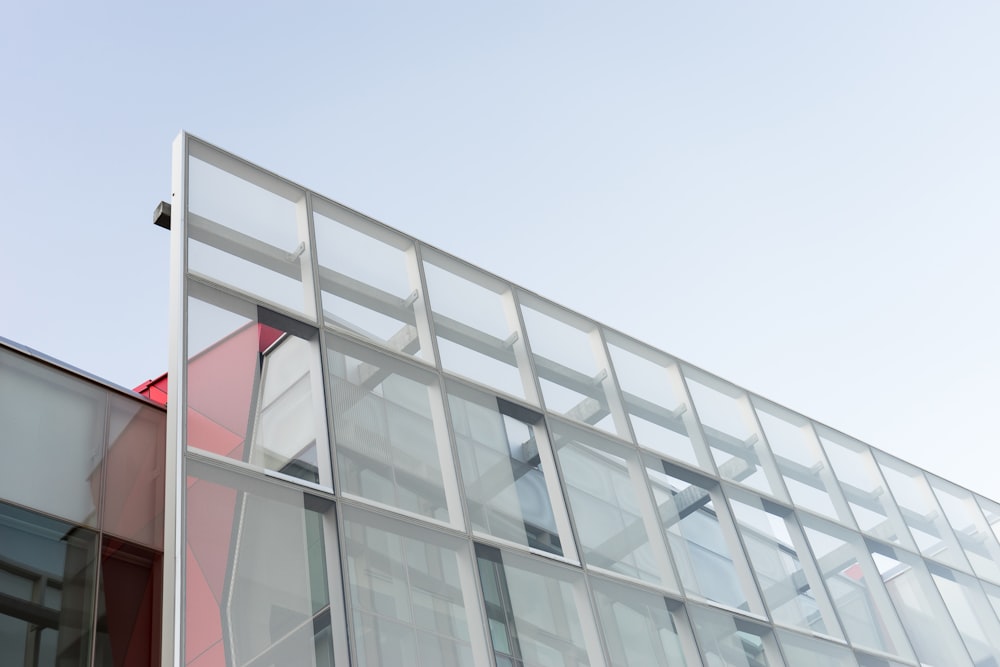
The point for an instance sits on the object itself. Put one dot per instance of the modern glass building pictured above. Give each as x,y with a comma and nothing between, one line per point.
378,454
81,517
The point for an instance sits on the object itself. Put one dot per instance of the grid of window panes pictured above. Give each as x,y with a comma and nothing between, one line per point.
393,457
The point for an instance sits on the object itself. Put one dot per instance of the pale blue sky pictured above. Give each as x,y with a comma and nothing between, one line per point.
801,197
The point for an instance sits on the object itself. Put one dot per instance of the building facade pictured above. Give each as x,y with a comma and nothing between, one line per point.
81,517
378,454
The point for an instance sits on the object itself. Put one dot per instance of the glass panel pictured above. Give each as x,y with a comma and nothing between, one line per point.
800,460
927,623
538,613
972,614
856,588
730,428
47,590
128,634
728,641
922,514
866,660
369,280
801,650
571,366
477,330
410,589
254,387
133,503
610,506
973,533
701,537
790,583
256,574
865,489
248,229
52,427
991,512
639,628
392,442
655,402
508,471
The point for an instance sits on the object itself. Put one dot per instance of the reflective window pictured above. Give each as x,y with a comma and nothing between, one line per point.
640,628
973,615
855,588
864,487
921,512
571,365
52,428
801,650
731,641
930,629
248,229
412,594
509,473
702,539
478,333
656,402
369,280
254,387
538,613
391,437
134,493
47,590
256,589
970,526
808,478
730,428
611,509
131,586
791,586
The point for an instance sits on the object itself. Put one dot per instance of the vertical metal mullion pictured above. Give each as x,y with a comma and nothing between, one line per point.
172,627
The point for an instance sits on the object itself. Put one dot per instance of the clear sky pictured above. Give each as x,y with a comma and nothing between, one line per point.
801,197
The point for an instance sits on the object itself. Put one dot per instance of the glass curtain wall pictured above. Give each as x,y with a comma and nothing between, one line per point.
384,455
81,519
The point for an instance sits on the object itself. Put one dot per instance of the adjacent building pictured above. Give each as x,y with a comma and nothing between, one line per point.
378,454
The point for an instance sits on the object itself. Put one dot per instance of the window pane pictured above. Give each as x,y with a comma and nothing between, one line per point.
864,487
970,526
571,365
47,571
639,628
410,589
128,632
800,460
508,471
701,537
730,428
538,613
369,280
52,429
248,230
792,588
856,589
476,325
972,613
256,575
133,504
728,641
927,623
392,443
655,401
801,650
921,512
254,387
610,506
